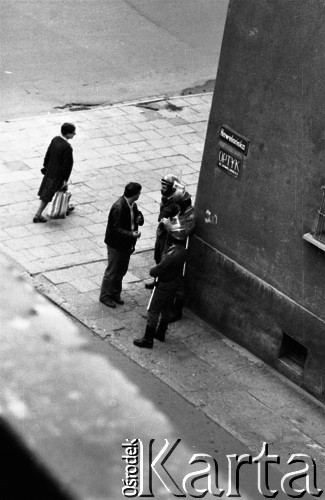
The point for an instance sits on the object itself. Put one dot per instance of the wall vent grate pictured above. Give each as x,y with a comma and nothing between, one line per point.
293,353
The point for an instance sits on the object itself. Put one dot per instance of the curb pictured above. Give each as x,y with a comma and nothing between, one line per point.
135,102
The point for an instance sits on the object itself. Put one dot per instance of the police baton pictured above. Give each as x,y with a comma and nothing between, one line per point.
152,294
186,247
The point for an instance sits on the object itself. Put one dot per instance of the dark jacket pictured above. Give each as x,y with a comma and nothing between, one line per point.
119,233
168,207
171,265
58,160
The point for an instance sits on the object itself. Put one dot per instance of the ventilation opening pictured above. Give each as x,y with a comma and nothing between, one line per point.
293,354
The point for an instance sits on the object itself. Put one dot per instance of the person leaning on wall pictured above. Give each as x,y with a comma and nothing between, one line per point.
181,226
167,209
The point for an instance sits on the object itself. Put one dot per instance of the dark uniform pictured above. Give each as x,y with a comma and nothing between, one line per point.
168,209
180,228
169,275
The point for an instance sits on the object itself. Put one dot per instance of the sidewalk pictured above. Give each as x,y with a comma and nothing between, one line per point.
66,259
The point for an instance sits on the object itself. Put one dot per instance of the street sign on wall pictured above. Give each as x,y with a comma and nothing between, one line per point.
233,139
229,162
231,151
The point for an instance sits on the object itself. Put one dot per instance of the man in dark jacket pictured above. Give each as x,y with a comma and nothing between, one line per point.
169,275
120,238
180,227
57,167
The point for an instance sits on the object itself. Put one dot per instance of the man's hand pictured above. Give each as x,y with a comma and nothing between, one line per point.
136,234
139,220
167,223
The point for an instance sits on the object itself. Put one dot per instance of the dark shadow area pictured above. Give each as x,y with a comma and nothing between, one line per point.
23,477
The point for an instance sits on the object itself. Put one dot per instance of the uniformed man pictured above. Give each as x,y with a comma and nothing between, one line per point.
180,227
182,224
169,278
167,209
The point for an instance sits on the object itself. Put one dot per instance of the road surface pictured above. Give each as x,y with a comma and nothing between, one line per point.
56,53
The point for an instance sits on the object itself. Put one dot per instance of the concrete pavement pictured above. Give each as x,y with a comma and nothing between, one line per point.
66,259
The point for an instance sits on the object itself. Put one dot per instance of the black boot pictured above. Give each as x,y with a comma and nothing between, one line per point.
177,310
147,339
161,331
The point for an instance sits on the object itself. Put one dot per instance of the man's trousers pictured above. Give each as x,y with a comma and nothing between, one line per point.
117,266
161,301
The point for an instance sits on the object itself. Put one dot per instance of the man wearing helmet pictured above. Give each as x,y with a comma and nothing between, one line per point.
180,227
168,208
182,224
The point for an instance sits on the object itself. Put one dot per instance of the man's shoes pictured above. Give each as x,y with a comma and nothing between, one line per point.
118,300
39,218
147,340
108,302
150,286
71,208
144,342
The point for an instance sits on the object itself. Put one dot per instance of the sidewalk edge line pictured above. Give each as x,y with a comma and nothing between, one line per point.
105,106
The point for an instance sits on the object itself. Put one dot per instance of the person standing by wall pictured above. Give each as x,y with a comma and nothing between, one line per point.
180,227
120,238
167,209
57,167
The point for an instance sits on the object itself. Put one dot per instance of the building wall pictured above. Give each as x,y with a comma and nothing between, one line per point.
250,272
